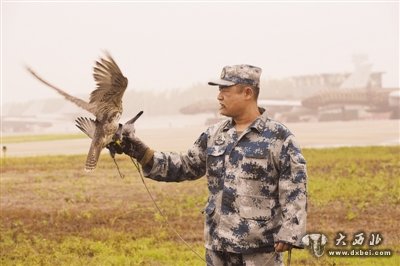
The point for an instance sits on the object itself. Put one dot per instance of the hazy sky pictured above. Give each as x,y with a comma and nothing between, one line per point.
175,45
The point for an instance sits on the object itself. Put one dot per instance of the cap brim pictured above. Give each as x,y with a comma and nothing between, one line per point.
221,82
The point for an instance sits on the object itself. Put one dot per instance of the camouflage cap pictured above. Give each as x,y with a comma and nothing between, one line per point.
238,74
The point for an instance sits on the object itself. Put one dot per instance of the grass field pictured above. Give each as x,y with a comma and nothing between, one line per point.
54,213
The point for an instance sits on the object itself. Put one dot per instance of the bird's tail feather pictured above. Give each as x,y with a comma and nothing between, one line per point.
93,156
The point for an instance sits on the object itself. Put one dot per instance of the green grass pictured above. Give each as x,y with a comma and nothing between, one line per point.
356,176
54,213
103,247
44,137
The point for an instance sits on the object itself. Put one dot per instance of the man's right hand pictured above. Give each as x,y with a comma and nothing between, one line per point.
282,246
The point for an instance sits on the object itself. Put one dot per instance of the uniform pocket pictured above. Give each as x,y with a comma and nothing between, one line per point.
210,208
256,154
215,161
215,151
254,164
255,208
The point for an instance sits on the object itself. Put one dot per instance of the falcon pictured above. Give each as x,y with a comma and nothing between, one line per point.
105,104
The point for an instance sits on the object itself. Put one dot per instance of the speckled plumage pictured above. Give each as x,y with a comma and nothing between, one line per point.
105,103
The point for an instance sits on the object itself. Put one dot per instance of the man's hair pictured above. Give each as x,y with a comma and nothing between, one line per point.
256,89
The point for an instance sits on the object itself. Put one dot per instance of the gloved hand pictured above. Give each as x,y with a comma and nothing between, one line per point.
134,147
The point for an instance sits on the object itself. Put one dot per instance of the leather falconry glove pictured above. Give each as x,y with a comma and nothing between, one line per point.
134,147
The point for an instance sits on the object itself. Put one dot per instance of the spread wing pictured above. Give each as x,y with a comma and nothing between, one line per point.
86,125
111,85
79,102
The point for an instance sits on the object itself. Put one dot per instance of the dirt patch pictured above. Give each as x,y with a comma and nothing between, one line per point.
335,218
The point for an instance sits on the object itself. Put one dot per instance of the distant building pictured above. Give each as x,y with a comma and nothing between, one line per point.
305,86
300,87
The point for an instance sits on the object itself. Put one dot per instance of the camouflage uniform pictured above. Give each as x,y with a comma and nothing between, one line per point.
256,182
220,258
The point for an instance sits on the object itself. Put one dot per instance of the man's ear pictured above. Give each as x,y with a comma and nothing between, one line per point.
248,92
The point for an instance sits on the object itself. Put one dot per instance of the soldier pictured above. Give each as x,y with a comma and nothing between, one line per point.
256,176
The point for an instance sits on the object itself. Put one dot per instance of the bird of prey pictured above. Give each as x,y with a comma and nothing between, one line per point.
105,103
88,126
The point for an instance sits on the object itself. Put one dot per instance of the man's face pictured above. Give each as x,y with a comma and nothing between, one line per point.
231,100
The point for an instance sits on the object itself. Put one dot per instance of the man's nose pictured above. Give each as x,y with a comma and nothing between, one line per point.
219,97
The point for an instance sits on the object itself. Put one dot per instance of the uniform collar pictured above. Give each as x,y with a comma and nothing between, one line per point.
228,125
258,124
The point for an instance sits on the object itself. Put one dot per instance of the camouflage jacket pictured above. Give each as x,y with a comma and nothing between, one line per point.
256,182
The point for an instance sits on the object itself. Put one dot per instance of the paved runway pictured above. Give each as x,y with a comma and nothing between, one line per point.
323,134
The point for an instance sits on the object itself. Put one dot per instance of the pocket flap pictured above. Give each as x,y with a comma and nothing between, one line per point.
255,208
210,208
261,153
254,213
216,150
